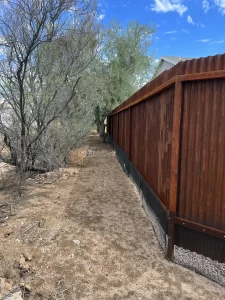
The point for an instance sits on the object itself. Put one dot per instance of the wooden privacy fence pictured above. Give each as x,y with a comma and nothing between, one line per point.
172,133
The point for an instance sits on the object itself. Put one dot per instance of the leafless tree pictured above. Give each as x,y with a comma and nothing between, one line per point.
45,45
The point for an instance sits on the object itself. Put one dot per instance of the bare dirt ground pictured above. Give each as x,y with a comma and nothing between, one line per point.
81,233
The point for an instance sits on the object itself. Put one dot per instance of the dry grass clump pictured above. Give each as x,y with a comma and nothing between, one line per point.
77,156
8,179
3,149
94,132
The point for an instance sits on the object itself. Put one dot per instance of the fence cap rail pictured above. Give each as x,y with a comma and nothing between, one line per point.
204,68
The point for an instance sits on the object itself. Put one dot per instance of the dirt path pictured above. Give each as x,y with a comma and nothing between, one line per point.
97,242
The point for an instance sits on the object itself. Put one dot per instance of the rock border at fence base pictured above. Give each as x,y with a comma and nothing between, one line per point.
200,264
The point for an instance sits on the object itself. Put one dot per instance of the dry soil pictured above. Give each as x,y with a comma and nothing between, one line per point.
88,238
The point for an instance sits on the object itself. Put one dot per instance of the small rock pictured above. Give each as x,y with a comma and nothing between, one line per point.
28,288
8,286
22,284
23,264
14,296
26,266
25,286
1,256
76,242
22,260
2,285
28,256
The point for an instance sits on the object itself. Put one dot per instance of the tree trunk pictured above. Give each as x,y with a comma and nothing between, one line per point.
13,159
101,128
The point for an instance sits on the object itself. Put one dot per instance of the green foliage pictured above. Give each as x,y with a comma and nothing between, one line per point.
123,64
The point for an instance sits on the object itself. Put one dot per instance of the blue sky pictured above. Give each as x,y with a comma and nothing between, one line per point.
193,28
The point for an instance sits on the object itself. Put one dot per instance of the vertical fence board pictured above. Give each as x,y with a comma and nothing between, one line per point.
175,146
201,196
129,131
150,149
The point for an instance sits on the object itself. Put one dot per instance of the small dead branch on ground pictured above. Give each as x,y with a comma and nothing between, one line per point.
40,224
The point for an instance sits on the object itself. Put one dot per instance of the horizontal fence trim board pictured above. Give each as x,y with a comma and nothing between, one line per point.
159,89
199,227
183,78
203,76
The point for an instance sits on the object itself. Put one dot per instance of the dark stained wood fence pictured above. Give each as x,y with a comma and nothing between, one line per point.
173,131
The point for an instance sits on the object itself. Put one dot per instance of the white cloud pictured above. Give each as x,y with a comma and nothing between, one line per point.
221,5
101,17
173,39
103,3
185,31
170,32
217,42
205,5
125,4
204,40
200,25
190,20
157,38
169,5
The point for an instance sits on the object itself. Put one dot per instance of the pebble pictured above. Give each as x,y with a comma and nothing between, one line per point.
22,260
76,242
2,285
26,286
28,256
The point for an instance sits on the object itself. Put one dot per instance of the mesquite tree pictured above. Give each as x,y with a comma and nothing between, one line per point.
45,46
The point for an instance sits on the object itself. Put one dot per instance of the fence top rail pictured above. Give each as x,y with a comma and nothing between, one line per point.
204,68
